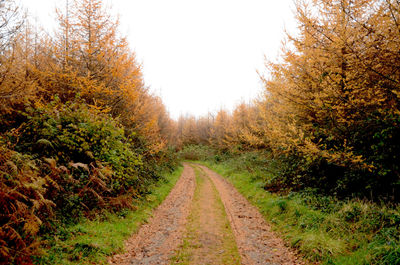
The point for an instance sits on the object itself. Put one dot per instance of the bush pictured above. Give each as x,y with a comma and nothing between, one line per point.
63,162
294,172
23,206
82,140
196,152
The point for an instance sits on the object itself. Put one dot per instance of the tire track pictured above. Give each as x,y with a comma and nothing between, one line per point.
209,238
157,240
256,242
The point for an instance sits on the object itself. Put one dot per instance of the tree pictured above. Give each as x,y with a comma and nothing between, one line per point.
11,22
17,86
334,100
219,136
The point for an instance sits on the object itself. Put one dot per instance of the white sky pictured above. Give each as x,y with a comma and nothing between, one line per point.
199,55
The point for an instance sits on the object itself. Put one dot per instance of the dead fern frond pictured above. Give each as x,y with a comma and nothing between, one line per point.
79,165
32,225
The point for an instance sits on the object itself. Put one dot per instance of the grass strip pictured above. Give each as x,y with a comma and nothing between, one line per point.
226,252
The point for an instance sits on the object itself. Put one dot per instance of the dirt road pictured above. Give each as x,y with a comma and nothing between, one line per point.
205,220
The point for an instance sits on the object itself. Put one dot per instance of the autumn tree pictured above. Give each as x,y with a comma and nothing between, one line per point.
334,100
246,129
11,22
12,65
187,130
89,60
220,133
89,54
204,126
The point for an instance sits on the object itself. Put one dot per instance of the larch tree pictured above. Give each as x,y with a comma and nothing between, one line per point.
11,25
335,96
220,132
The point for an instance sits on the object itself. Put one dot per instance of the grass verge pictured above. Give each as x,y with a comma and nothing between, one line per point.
92,241
323,229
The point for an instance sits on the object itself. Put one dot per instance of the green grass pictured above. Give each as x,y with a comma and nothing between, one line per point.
184,253
323,229
227,252
92,241
230,254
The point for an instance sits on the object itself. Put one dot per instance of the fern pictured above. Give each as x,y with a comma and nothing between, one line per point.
44,143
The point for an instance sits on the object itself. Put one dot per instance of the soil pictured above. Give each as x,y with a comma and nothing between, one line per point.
156,241
209,238
256,242
205,220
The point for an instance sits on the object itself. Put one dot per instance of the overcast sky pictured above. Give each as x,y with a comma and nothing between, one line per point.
198,55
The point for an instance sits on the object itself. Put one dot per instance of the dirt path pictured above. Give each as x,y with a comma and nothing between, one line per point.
157,240
205,220
208,238
256,242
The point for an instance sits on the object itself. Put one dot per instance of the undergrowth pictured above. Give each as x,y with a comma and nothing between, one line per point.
323,228
92,241
65,162
195,152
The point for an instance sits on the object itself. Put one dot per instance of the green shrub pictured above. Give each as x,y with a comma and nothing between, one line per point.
83,140
196,152
64,162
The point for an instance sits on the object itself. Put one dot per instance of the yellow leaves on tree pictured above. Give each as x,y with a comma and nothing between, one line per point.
89,60
330,109
226,131
341,75
16,54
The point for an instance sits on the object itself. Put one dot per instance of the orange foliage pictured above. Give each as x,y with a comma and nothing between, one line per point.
341,72
332,103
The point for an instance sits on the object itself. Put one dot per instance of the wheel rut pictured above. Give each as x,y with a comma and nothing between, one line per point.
256,242
208,238
156,241
205,220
